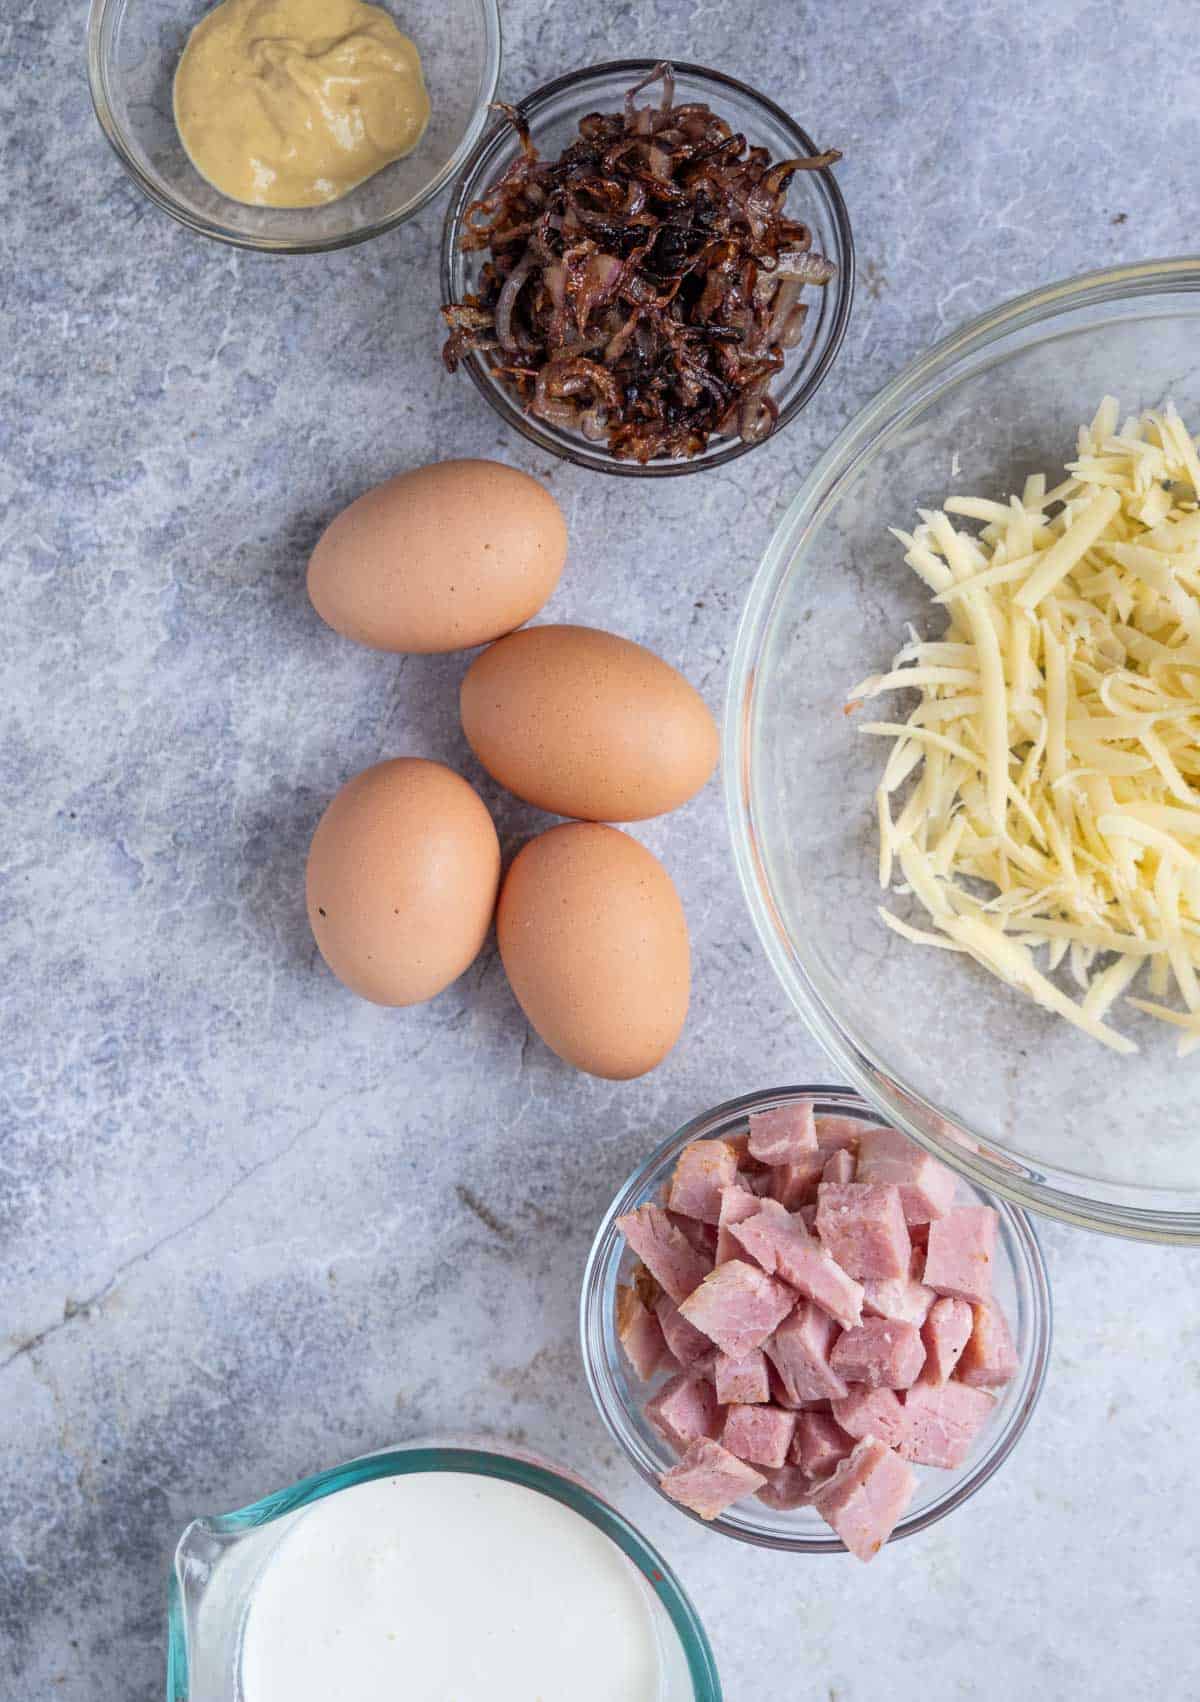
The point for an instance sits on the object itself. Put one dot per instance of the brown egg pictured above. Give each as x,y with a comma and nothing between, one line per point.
594,942
442,558
402,878
583,723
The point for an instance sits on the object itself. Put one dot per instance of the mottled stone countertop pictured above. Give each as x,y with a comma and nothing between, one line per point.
250,1226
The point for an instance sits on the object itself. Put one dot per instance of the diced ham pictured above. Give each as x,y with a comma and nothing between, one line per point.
866,1497
821,1444
779,1242
644,1285
945,1333
675,1264
862,1225
926,1187
701,1171
738,1306
786,1488
709,1478
740,1144
794,1185
958,1260
706,1366
943,1423
684,1409
845,1333
744,1381
764,1231
640,1334
685,1343
800,1352
839,1166
906,1298
760,1434
778,1390
872,1412
882,1353
783,1134
737,1204
837,1133
989,1358
702,1236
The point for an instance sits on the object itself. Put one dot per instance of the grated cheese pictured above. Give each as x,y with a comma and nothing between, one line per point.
1053,760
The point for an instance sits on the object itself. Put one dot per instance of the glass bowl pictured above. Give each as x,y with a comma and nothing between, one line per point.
1020,1285
219,1559
134,47
553,113
1014,1098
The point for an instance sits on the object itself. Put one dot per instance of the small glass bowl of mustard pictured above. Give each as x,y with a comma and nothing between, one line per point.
134,49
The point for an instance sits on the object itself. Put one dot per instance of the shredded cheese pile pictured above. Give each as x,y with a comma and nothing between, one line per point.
1054,755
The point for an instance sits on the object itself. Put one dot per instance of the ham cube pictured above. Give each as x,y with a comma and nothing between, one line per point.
862,1225
821,1444
839,1166
684,1409
800,1352
866,1496
926,1187
686,1344
943,1423
905,1298
760,1434
989,1358
958,1260
808,1216
784,1134
786,1488
881,1353
640,1334
810,1270
702,1170
794,1185
743,1382
709,1478
738,1307
945,1333
676,1265
766,1230
837,1134
872,1412
737,1204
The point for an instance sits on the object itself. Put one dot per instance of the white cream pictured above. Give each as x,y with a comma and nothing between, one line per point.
447,1587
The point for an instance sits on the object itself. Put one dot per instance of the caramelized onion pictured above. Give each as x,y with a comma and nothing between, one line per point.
641,288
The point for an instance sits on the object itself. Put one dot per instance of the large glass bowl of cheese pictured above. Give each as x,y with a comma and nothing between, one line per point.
1037,1026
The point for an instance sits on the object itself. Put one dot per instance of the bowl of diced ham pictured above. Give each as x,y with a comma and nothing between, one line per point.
807,1332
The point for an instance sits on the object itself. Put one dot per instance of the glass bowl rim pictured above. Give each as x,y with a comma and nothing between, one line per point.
584,455
1007,1175
99,83
1032,1277
481,1458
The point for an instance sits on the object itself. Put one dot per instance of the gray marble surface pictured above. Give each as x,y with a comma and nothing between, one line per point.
249,1226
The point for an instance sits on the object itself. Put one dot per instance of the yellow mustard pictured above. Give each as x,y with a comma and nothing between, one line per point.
291,103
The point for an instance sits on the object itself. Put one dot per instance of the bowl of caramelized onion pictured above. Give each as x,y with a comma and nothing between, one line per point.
646,268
